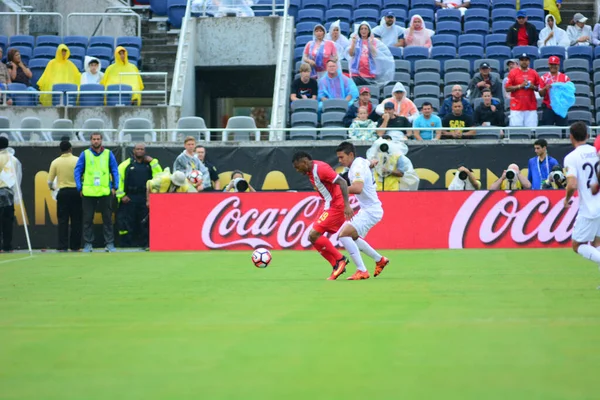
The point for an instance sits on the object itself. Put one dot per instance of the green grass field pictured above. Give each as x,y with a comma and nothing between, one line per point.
521,324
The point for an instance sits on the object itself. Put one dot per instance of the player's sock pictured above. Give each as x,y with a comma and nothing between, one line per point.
327,250
352,248
367,249
589,252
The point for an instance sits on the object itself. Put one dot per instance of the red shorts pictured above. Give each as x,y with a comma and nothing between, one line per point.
329,221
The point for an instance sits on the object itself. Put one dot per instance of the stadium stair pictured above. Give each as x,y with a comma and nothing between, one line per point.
569,8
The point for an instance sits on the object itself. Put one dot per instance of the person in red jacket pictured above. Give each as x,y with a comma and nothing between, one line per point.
522,84
549,117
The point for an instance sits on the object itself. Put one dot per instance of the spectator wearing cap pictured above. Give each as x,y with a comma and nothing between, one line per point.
427,120
579,33
462,5
508,66
304,87
484,79
68,200
388,31
490,112
364,100
522,33
552,35
522,84
457,95
390,119
403,106
549,117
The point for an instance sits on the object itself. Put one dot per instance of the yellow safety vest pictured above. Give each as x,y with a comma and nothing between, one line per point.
390,183
96,178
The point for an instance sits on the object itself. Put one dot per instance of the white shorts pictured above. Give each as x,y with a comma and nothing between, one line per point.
586,229
365,219
527,119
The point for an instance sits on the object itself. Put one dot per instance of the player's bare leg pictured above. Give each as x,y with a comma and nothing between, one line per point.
328,251
348,236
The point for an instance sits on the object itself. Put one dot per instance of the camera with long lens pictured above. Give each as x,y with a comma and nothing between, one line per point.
511,174
384,147
462,175
240,184
557,175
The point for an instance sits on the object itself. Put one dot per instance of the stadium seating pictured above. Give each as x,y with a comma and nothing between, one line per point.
176,12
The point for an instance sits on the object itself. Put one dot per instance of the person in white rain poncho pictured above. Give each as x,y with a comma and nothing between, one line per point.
552,35
92,72
335,35
370,60
10,181
388,31
392,170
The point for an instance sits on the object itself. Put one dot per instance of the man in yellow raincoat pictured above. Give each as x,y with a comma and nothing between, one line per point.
132,78
59,70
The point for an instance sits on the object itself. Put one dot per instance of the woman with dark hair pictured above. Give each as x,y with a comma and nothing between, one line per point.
370,61
19,73
318,52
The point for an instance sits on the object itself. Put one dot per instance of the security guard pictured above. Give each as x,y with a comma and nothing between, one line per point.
135,172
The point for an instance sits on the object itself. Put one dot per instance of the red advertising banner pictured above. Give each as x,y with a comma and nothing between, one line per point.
412,220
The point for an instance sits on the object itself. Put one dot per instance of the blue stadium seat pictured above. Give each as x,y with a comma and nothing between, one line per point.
457,65
314,4
26,52
3,43
130,41
176,12
597,53
365,14
48,40
298,53
500,53
310,15
502,26
422,4
477,28
104,64
78,63
89,100
414,53
396,4
448,28
470,53
532,51
581,52
495,39
342,4
547,51
470,40
58,100
504,14
539,25
26,99
335,14
529,4
443,40
21,40
396,52
76,41
505,4
443,53
479,5
102,53
292,9
133,54
302,40
114,99
305,28
535,14
37,67
425,13
372,4
477,14
46,52
495,65
448,14
102,41
77,53
159,7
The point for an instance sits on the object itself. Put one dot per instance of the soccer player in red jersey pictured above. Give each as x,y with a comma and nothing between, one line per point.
336,208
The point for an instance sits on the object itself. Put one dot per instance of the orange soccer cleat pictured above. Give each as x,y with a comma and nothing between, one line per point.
380,265
339,268
359,275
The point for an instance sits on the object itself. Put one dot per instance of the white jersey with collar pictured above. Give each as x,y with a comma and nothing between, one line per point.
582,163
360,171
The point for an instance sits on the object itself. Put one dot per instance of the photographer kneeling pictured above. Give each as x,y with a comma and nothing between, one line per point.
464,180
238,183
511,179
392,170
556,179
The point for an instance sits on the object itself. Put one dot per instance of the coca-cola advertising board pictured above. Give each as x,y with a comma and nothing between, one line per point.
412,220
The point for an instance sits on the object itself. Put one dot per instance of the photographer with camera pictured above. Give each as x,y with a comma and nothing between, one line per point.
540,166
511,179
464,180
392,170
556,179
238,183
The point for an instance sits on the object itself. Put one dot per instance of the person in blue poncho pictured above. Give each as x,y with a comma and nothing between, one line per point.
549,115
334,85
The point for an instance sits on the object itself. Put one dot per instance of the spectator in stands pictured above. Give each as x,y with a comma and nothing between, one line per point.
19,73
304,87
113,76
509,65
364,100
336,86
457,95
579,33
4,80
549,117
188,161
10,177
335,35
403,106
417,33
522,84
427,120
370,60
389,119
362,121
388,31
462,5
539,167
596,34
511,179
457,119
553,7
522,33
59,70
490,112
92,72
318,52
552,35
212,170
484,79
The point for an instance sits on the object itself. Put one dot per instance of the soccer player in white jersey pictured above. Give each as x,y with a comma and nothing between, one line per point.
353,232
581,167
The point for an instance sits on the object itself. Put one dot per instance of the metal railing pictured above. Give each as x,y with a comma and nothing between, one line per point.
65,96
34,14
183,57
279,71
103,15
237,8
162,77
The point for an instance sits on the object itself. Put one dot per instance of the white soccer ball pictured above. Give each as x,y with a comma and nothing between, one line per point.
195,177
261,258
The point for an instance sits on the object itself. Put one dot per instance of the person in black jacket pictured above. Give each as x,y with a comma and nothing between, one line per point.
522,33
489,112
